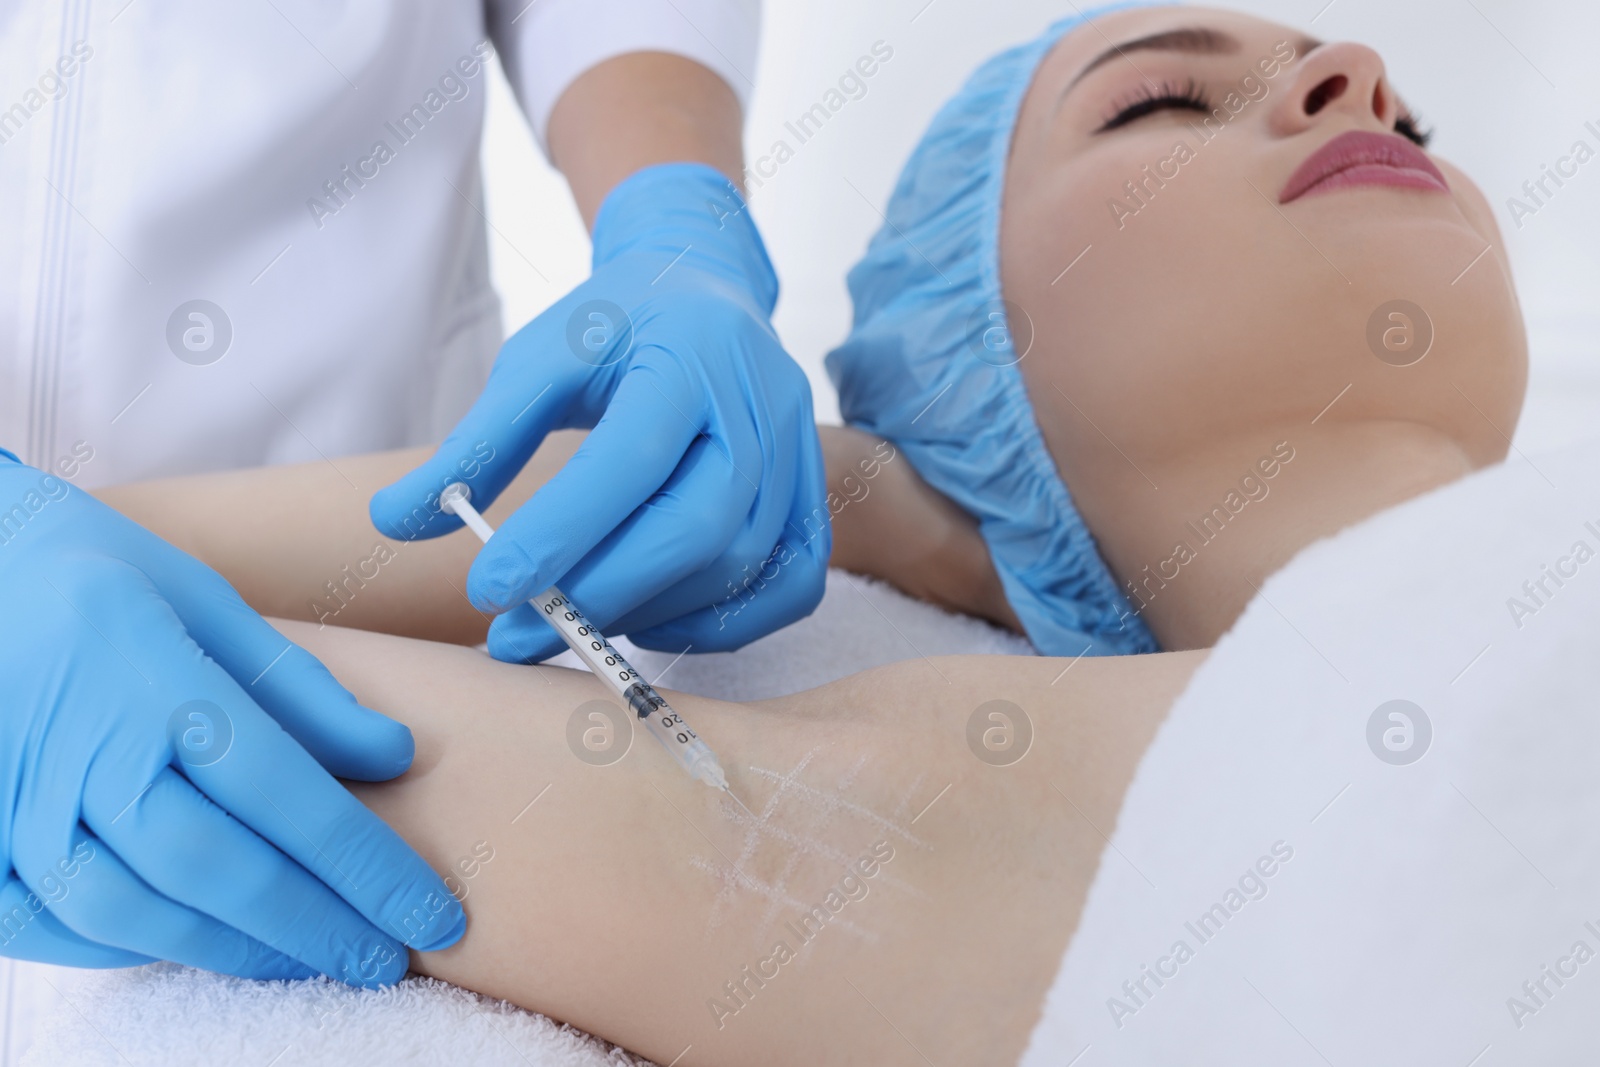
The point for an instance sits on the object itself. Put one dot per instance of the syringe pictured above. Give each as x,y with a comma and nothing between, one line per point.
606,663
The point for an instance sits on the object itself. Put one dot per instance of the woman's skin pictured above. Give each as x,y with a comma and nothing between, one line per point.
1205,334
1213,323
310,553
698,121
626,896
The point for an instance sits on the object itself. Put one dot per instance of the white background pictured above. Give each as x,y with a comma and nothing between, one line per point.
1506,84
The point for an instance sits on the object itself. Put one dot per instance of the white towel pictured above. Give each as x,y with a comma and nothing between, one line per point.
1398,908
860,624
165,1014
175,1016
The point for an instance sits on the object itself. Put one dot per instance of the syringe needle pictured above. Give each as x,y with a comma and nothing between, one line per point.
737,801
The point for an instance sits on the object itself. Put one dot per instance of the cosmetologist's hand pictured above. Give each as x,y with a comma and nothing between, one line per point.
694,514
167,765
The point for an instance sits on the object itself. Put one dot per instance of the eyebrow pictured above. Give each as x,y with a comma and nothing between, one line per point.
1194,40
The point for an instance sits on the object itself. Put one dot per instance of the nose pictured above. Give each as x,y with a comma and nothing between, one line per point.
1337,81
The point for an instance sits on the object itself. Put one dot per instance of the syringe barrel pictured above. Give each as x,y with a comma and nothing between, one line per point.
606,663
589,643
675,735
666,725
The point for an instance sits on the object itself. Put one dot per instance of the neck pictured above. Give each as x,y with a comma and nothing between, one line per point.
1192,552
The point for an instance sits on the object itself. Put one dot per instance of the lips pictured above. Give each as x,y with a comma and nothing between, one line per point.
1364,158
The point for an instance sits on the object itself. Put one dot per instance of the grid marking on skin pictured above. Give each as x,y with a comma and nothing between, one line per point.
804,847
773,891
752,841
845,780
759,828
790,865
831,803
905,798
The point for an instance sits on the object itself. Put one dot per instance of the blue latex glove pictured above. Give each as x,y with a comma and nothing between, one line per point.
165,759
694,514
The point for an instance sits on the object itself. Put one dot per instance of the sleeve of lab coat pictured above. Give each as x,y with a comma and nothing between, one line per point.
545,44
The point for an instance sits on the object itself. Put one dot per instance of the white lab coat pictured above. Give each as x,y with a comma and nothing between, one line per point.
308,169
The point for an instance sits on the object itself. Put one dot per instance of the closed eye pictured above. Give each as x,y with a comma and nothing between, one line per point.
1153,98
1410,127
1189,97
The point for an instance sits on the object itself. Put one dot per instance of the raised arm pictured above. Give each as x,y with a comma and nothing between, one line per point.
896,884
296,540
297,543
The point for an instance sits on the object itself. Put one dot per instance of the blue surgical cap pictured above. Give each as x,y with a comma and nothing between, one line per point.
931,364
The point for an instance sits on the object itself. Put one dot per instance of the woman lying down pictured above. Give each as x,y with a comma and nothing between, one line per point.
1209,225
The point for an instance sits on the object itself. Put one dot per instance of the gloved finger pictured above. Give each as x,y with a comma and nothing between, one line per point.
251,767
288,682
790,513
657,411
29,932
106,903
787,588
527,396
780,522
264,779
737,568
677,532
188,849
521,636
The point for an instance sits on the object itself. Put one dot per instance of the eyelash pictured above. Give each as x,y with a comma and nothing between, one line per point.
1189,97
1186,97
1409,125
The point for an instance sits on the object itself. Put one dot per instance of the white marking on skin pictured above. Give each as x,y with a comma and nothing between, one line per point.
911,791
803,848
832,803
823,807
806,846
769,918
752,841
848,778
775,894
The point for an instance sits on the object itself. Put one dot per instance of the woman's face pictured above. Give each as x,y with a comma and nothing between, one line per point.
1183,285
